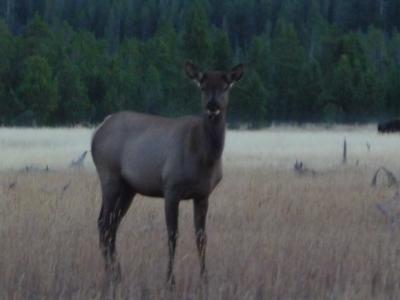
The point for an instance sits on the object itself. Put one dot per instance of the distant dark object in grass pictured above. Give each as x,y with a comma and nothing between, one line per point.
389,127
301,169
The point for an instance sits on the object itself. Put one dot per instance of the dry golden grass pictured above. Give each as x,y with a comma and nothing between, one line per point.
272,235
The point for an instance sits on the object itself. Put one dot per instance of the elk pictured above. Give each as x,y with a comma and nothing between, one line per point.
177,159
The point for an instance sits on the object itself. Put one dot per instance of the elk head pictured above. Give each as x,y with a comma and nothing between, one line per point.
214,86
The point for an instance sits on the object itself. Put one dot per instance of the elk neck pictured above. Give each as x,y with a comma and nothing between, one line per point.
213,129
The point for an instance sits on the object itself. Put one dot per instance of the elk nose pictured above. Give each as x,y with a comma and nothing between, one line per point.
212,104
213,107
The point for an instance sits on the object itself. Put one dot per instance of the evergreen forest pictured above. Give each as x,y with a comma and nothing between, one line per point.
68,62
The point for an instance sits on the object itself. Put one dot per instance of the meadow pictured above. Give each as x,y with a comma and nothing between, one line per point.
272,233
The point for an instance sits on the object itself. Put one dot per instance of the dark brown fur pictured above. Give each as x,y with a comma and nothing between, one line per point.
177,159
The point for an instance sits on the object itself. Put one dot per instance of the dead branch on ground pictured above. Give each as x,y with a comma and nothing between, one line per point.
392,180
301,169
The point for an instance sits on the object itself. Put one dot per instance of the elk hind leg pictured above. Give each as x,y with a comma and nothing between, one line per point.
117,197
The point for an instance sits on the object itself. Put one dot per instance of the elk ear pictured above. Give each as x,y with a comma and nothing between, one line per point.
235,74
192,72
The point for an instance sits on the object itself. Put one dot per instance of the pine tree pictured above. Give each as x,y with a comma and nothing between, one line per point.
393,77
113,29
288,62
151,91
261,58
249,101
38,39
196,39
222,51
73,100
127,75
7,49
38,89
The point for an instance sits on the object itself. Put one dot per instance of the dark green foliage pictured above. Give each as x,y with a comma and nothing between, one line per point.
7,49
196,39
37,91
74,103
287,74
68,62
249,102
222,51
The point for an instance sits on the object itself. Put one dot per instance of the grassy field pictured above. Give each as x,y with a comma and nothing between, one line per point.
273,234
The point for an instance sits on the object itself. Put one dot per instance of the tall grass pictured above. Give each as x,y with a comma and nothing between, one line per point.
272,234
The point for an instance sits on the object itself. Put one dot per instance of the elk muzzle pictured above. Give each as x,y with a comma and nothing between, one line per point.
213,109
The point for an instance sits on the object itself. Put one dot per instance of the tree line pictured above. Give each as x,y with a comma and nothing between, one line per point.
73,62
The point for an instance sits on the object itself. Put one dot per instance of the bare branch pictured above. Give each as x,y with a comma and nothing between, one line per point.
301,169
392,180
78,163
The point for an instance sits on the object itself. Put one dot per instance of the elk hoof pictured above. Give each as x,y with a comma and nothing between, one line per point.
202,287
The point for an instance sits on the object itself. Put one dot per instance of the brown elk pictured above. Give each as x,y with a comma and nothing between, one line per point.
178,159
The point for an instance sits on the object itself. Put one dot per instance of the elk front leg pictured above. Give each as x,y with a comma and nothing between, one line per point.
200,207
171,217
